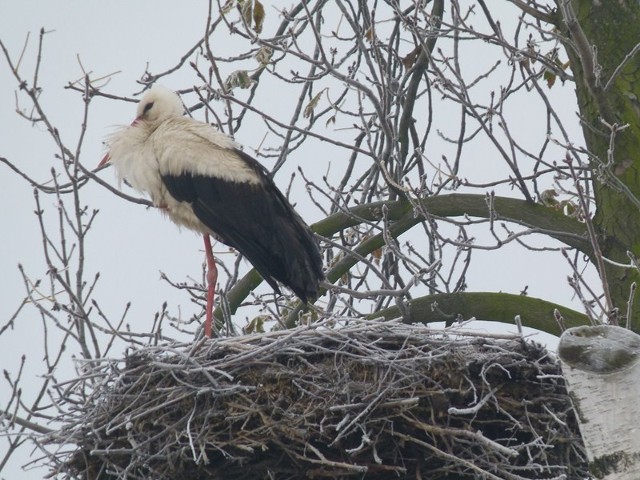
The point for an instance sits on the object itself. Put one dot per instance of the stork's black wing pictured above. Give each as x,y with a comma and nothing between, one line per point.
258,221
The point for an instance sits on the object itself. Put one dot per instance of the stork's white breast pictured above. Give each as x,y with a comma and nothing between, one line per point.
141,155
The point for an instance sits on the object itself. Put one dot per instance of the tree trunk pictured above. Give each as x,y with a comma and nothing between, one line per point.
602,44
602,368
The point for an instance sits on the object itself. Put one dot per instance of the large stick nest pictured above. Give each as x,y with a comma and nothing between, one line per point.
367,400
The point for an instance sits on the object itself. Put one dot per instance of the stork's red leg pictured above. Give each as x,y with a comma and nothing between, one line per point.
212,278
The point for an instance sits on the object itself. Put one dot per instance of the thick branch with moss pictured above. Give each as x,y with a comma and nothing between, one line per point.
404,215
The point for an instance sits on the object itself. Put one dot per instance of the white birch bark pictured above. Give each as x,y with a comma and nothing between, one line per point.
601,365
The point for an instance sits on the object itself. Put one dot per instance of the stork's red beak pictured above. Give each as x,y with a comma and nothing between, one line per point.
104,160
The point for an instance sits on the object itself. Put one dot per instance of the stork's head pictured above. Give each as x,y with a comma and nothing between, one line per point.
159,104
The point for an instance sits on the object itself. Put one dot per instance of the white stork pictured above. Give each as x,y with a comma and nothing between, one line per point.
201,179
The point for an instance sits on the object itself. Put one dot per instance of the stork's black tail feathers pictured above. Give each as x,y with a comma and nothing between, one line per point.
303,270
286,252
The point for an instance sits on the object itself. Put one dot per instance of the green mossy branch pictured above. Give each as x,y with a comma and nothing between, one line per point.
403,216
490,306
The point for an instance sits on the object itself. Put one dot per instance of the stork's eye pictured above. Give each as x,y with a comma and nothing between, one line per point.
147,107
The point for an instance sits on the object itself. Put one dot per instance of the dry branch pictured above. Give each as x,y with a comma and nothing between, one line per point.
366,400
